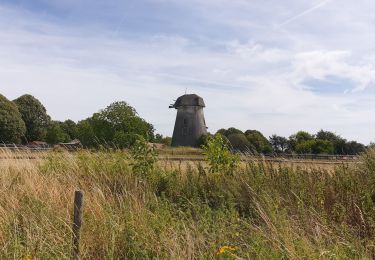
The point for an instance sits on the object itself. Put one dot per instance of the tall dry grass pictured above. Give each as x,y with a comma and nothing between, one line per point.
263,211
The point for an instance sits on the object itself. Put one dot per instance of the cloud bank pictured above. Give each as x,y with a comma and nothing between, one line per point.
276,67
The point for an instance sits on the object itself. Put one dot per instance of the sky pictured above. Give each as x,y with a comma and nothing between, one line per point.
271,65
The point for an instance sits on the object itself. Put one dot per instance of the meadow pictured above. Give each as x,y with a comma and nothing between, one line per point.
261,210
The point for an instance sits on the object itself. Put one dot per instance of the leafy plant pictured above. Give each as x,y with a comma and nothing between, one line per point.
219,156
144,157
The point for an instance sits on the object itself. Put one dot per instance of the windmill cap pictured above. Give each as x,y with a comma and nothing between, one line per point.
189,100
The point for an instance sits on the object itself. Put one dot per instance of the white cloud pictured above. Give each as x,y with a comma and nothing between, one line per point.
257,83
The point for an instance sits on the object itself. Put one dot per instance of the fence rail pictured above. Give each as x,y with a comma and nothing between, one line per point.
14,147
179,157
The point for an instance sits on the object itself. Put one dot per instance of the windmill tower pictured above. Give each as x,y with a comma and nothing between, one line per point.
190,124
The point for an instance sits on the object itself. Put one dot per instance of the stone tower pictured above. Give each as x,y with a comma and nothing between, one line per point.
190,124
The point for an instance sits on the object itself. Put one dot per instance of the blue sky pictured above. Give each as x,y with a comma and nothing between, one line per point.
275,66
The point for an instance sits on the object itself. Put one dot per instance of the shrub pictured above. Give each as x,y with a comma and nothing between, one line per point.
144,157
219,156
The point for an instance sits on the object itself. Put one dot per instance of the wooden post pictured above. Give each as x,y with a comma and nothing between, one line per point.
77,222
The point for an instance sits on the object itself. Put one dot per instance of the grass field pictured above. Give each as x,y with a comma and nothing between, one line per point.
264,210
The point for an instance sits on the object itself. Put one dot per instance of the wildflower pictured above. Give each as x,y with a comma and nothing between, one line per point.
225,249
26,257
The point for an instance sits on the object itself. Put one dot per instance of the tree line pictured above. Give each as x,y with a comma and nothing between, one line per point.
25,119
302,142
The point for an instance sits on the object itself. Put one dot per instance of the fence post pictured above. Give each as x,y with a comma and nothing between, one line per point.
77,222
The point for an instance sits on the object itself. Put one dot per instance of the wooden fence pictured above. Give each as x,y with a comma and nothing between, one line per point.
177,157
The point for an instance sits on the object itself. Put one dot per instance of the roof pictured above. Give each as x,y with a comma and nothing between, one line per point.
189,100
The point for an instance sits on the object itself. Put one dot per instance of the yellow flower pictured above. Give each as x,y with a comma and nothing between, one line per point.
26,257
225,249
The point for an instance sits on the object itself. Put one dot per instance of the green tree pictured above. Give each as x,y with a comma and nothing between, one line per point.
167,141
229,131
258,142
323,147
117,125
55,134
70,128
304,147
279,143
337,141
122,117
160,139
86,134
354,148
297,140
34,114
12,127
314,146
239,142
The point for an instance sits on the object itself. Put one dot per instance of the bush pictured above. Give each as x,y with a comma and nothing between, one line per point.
144,157
219,157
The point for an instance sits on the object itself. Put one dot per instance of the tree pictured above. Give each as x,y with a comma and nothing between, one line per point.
118,125
55,134
354,148
12,127
229,131
315,146
70,128
167,141
304,147
298,139
279,144
122,117
337,141
258,142
86,134
34,114
239,142
323,147
160,139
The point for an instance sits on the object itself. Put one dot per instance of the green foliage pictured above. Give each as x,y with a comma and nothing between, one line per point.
219,157
12,127
34,114
204,139
297,140
229,131
238,142
117,125
323,147
70,128
338,142
315,147
55,134
279,143
143,157
251,140
258,142
354,147
86,134
160,139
